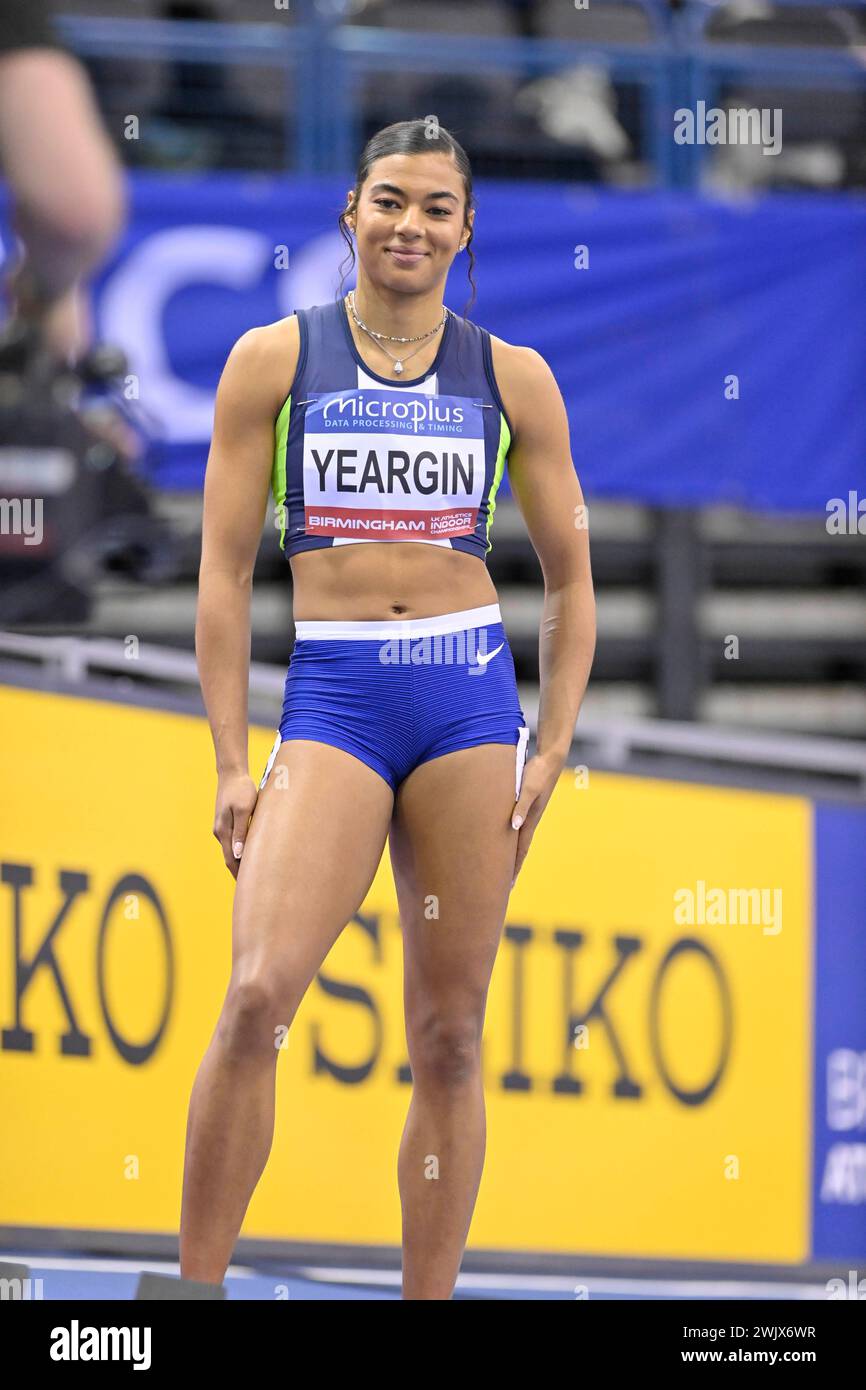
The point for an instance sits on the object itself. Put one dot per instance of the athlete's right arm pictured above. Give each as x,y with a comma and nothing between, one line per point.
253,386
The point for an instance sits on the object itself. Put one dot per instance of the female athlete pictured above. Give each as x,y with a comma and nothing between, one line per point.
383,422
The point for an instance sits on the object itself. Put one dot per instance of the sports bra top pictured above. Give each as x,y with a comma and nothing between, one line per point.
359,457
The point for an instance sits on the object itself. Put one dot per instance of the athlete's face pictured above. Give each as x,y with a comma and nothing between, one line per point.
409,222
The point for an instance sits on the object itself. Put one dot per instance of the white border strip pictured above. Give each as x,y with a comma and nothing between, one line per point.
520,759
608,1285
107,1264
399,627
277,741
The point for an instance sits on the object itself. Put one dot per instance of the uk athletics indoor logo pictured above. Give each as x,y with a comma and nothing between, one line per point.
392,465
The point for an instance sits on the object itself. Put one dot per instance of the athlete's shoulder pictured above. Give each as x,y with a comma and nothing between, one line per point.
518,363
523,376
271,340
265,360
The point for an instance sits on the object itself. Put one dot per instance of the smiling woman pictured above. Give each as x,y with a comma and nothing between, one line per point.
385,482
413,241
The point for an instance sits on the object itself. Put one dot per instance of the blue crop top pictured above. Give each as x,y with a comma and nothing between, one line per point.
359,457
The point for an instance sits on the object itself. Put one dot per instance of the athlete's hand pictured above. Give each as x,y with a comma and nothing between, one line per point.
540,776
236,800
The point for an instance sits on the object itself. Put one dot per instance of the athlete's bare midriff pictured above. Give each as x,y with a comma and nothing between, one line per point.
376,580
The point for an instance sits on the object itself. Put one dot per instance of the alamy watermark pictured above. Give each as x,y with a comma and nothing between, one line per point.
737,126
22,516
20,1290
721,907
846,516
473,648
85,1343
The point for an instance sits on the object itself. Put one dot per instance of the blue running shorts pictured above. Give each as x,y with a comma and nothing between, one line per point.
398,693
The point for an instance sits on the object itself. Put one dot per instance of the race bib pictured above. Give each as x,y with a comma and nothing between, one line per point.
392,465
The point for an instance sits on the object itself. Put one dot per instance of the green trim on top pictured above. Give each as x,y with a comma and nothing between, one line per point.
278,471
504,446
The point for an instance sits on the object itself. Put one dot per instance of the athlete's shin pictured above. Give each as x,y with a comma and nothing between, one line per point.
439,1172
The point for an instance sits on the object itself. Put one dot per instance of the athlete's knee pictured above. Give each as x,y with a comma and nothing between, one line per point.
445,1046
256,1016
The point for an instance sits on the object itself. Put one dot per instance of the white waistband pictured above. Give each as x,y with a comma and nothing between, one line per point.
381,630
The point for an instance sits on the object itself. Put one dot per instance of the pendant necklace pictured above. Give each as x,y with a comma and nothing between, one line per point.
394,338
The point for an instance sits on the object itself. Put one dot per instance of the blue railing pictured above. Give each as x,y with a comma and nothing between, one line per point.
325,59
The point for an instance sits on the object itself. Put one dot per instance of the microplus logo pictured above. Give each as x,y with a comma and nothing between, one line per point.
76,1343
420,410
737,126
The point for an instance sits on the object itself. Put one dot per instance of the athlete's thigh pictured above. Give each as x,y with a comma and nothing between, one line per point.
314,844
452,851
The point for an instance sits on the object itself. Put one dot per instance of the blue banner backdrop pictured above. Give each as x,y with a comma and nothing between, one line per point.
707,351
839,1164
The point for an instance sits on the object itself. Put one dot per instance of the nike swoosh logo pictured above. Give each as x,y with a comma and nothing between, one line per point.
483,660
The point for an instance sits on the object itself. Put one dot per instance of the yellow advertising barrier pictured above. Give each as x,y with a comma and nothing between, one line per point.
647,1049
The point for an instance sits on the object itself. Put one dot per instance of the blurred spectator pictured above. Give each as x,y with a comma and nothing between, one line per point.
64,178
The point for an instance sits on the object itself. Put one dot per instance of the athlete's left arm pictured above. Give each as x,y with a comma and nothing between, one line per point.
548,493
